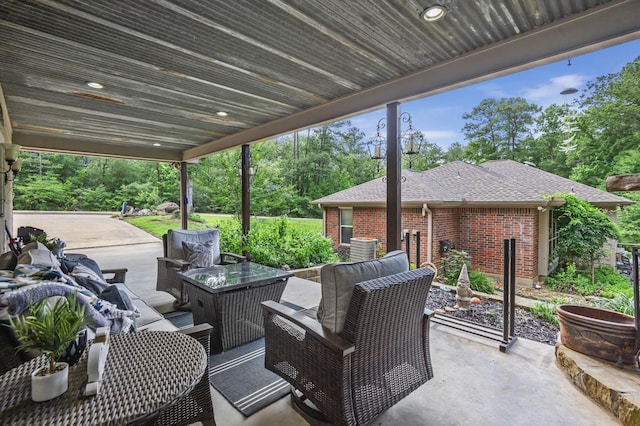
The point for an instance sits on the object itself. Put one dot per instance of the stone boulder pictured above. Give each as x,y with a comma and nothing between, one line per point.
168,207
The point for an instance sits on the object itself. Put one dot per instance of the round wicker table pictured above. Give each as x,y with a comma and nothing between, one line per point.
145,373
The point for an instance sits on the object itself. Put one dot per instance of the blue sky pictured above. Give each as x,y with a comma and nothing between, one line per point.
439,117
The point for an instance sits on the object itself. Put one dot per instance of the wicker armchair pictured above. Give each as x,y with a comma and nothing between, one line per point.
381,355
174,260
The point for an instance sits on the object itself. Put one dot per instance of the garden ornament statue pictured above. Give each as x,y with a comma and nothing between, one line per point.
463,289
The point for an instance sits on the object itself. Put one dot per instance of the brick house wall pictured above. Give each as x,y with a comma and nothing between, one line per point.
482,235
332,225
446,227
478,231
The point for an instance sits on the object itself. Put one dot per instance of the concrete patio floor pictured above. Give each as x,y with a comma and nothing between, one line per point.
474,383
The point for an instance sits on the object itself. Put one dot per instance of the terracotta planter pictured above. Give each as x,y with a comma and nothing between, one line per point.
598,332
44,388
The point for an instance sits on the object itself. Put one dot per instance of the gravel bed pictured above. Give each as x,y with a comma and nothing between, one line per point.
489,313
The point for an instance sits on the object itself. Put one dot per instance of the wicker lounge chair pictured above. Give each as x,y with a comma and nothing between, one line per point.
175,260
380,356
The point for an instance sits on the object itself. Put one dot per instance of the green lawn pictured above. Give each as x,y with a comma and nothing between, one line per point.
159,225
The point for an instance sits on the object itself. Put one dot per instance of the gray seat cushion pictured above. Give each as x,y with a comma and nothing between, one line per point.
337,281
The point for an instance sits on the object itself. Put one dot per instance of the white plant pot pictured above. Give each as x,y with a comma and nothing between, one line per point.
44,388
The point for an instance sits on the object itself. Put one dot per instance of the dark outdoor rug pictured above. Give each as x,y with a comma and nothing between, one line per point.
239,373
180,319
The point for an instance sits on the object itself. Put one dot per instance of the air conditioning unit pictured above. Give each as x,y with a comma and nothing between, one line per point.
363,249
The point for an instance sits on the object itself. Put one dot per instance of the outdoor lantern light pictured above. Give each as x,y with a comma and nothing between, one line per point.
411,139
11,153
13,163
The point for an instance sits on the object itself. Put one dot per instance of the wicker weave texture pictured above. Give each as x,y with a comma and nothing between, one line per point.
197,405
386,324
236,315
145,373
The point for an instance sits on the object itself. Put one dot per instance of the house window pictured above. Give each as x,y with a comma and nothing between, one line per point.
346,225
553,239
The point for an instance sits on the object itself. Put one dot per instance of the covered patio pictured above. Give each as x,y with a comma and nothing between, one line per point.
474,382
175,81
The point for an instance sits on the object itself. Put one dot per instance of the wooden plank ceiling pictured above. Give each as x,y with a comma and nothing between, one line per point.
168,67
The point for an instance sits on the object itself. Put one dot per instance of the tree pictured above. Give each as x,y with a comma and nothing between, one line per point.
610,122
455,152
545,150
495,128
582,231
429,156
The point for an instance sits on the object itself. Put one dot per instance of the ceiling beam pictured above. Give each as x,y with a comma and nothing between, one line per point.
5,127
31,142
609,24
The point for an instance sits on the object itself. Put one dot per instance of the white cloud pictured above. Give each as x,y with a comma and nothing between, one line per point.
548,93
432,135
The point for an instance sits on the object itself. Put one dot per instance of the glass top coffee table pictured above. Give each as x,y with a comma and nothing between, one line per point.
228,297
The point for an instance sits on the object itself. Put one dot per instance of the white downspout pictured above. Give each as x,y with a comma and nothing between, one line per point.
426,210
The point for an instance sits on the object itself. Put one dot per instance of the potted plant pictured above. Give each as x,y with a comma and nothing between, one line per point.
50,329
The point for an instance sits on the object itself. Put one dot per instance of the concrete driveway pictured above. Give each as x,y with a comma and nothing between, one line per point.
83,230
111,242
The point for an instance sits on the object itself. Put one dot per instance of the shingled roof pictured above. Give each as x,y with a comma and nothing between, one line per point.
500,183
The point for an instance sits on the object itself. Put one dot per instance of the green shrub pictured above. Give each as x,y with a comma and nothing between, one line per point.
582,230
451,265
608,282
277,244
569,281
480,282
619,303
612,282
139,195
546,311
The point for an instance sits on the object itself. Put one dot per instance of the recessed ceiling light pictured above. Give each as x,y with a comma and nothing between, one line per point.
433,13
156,144
95,85
222,114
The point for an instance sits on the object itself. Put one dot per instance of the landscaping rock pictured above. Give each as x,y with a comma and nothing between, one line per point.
168,207
490,314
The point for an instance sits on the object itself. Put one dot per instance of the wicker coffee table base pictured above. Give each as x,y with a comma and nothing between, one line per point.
236,316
